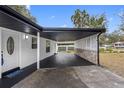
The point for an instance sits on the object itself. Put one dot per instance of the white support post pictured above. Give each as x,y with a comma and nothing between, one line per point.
56,47
38,50
0,55
66,48
20,50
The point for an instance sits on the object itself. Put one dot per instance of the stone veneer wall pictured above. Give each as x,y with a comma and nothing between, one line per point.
87,48
89,55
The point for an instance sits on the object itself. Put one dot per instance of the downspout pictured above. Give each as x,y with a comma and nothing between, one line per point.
98,61
0,55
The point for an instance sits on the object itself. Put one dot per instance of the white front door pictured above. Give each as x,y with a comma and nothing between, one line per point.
10,48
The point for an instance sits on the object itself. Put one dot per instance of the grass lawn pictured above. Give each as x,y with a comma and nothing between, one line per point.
113,61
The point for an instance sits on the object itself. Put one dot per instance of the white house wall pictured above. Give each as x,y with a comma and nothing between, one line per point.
10,61
27,55
87,48
43,53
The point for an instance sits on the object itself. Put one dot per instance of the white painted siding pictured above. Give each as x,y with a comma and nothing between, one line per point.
43,53
87,48
10,61
27,55
88,43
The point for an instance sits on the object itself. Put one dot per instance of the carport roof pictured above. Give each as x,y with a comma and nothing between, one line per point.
70,34
13,20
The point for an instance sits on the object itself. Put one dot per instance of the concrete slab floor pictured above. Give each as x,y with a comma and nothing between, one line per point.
64,60
72,77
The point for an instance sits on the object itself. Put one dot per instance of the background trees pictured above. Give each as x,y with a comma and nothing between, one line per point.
122,22
82,19
115,36
22,9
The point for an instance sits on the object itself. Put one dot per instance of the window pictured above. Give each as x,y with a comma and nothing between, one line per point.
10,45
34,43
47,46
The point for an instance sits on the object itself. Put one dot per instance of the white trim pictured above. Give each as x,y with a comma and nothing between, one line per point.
38,50
0,54
20,51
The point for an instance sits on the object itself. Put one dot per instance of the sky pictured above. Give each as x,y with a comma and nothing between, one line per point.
60,16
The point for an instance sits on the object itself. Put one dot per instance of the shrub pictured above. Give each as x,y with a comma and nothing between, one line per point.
101,50
109,50
115,51
121,51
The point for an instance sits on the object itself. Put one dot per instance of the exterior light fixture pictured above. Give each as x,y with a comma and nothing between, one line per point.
25,36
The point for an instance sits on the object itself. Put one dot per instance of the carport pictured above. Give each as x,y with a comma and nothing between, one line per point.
86,39
77,35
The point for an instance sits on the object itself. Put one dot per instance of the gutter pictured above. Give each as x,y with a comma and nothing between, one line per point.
98,61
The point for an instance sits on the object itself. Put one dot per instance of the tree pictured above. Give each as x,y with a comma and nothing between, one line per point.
115,36
82,19
122,21
110,38
103,39
24,11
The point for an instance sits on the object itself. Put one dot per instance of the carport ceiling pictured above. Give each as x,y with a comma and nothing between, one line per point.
69,34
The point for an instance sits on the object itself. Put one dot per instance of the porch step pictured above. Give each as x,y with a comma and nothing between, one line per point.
13,74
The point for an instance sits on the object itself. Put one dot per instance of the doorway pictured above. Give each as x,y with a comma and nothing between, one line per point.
10,50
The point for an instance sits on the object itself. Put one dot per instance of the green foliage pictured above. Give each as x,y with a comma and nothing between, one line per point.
122,22
102,39
115,51
115,37
121,51
109,50
23,10
118,51
101,50
82,19
110,38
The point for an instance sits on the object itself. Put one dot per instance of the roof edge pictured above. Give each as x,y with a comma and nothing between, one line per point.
19,16
53,29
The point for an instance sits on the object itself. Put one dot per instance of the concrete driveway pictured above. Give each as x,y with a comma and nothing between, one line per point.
69,77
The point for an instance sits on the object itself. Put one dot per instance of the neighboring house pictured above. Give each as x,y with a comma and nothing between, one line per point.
23,42
106,46
118,45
